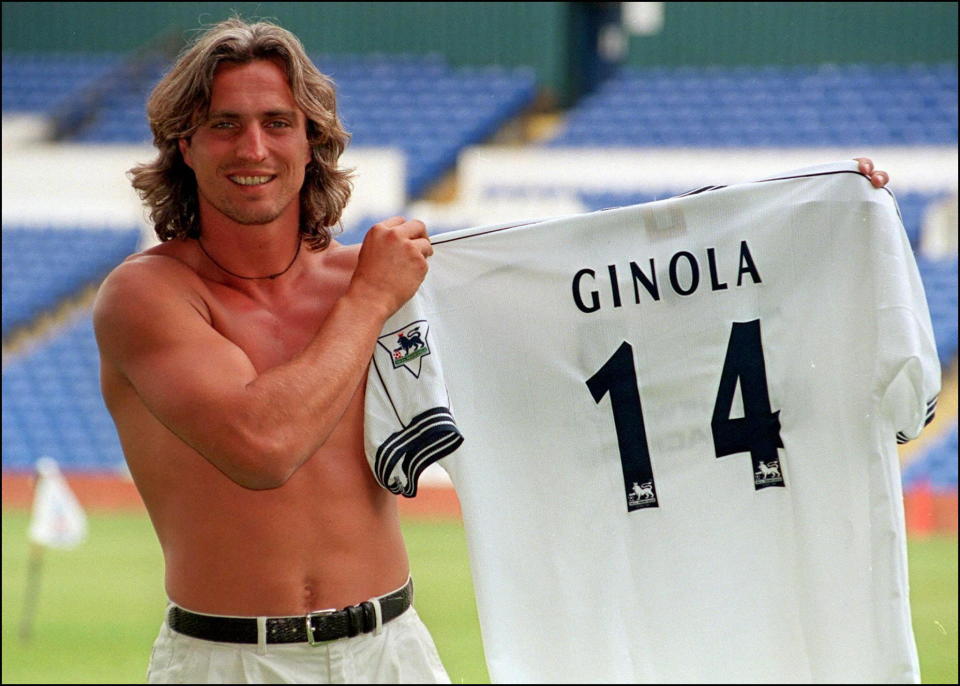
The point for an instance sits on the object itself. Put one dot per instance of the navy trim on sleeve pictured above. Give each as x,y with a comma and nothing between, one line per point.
430,436
931,411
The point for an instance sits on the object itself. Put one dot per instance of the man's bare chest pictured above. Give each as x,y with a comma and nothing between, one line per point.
270,335
274,324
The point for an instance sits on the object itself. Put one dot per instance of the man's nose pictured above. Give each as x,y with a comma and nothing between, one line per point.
251,144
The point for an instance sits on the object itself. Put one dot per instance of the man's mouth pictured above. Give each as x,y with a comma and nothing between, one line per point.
250,180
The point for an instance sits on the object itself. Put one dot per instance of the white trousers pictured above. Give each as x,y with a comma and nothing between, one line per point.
403,653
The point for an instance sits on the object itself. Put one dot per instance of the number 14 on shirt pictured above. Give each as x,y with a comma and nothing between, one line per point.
757,432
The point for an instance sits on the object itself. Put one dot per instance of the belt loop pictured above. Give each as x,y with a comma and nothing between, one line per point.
378,614
261,635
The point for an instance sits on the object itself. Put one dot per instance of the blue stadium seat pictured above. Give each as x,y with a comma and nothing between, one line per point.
940,284
830,105
52,406
39,83
936,468
42,267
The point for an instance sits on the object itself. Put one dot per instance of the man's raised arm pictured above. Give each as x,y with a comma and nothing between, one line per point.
155,329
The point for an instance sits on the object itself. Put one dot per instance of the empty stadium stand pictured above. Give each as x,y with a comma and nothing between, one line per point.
425,107
769,106
52,406
42,83
42,267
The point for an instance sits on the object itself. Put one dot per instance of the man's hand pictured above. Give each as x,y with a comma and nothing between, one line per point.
879,179
392,263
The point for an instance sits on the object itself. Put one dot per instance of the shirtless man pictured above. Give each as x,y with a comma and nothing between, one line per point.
233,360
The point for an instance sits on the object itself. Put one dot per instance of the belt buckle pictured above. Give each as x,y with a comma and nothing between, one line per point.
311,615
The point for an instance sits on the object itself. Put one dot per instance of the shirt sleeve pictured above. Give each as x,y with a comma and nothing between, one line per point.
408,423
909,365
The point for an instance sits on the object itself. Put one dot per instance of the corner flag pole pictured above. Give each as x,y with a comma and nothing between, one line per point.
34,570
57,521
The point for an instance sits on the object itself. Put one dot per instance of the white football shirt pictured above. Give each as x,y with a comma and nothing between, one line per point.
678,425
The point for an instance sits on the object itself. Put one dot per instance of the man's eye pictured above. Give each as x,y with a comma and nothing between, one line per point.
279,124
221,125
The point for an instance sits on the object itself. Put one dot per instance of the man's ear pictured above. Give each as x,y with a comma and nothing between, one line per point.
184,145
309,155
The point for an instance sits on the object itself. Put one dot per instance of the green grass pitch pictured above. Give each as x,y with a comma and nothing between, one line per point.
100,606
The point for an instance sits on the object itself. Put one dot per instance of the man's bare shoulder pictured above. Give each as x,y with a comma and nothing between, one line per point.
166,259
164,264
339,253
146,284
334,264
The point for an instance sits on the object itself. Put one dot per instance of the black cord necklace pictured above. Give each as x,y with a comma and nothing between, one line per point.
240,276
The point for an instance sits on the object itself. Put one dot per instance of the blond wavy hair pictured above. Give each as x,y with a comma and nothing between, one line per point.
180,102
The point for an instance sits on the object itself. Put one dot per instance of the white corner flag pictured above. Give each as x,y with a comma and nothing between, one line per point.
58,520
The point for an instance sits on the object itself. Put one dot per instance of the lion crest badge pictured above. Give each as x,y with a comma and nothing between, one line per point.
407,346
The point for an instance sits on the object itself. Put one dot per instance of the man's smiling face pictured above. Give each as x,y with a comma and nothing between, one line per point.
249,156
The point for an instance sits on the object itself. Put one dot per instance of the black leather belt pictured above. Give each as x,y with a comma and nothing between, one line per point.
316,627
